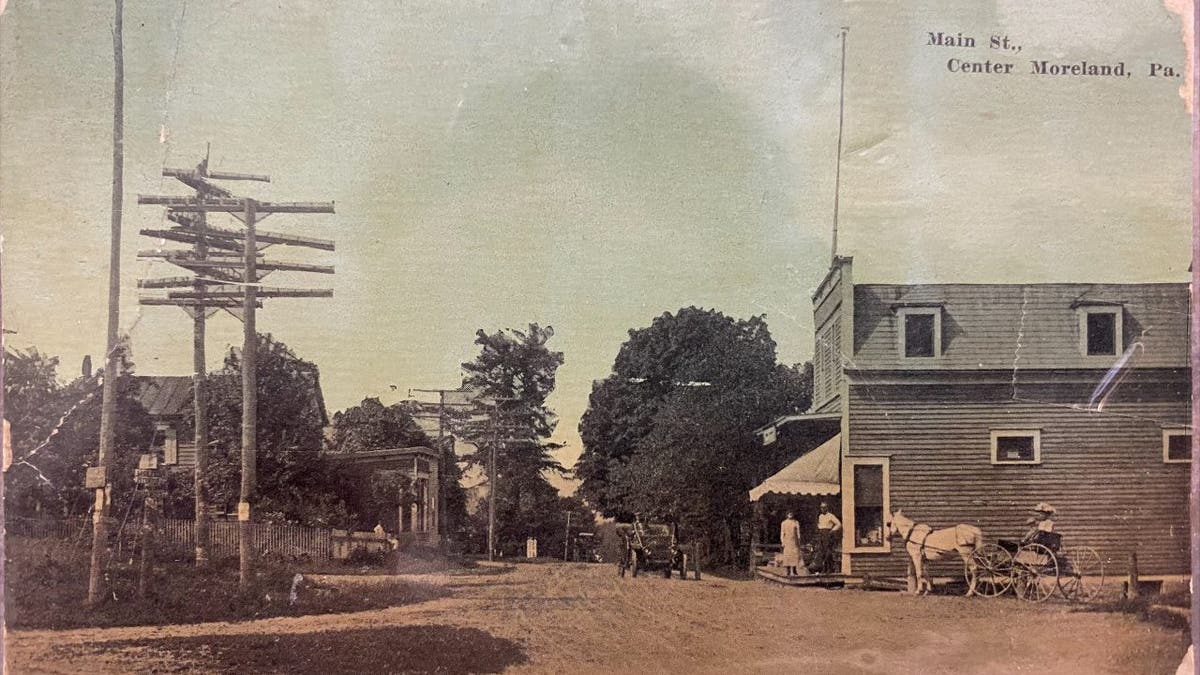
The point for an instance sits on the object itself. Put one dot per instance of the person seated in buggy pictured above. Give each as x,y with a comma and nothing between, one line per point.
1041,527
1041,530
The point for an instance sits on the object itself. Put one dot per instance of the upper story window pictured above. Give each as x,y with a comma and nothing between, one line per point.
1100,331
920,332
1177,446
1016,446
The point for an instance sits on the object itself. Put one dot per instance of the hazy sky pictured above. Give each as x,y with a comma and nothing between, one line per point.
587,165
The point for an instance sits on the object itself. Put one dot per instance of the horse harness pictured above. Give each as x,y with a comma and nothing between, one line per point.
908,538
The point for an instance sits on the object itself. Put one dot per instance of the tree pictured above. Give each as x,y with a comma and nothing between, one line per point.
56,434
371,425
669,432
516,370
295,483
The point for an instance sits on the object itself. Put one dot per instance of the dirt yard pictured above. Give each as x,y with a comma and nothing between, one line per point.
576,618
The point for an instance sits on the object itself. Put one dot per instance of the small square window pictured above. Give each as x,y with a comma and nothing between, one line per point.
920,332
1100,331
1177,446
1017,446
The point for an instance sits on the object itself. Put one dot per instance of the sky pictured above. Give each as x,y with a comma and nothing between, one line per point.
583,165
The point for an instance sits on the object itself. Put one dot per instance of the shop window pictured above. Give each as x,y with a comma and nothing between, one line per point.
868,505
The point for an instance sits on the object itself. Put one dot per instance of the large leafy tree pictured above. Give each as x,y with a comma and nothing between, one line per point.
516,370
371,425
56,434
294,482
669,432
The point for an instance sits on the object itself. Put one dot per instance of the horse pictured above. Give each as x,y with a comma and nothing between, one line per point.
922,543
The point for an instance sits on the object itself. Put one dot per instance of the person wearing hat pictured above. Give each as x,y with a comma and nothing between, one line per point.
828,527
1040,523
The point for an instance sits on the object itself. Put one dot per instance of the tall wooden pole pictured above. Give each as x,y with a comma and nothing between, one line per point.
199,397
249,400
108,405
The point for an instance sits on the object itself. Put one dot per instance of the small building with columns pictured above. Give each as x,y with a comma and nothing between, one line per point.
420,523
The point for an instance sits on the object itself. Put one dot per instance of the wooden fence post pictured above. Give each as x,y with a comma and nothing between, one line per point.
1131,586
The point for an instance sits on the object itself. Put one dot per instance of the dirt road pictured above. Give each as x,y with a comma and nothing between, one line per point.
559,618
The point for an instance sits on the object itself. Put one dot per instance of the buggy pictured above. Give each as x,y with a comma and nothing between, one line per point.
1035,569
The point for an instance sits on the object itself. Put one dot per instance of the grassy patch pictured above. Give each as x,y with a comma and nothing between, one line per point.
46,584
1147,608
398,649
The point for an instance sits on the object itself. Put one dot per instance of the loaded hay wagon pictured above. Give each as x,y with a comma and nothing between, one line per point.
655,547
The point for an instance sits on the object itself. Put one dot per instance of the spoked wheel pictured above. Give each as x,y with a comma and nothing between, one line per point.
993,570
1035,573
1082,574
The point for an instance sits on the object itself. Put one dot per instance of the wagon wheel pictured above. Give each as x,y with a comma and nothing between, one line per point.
993,570
1035,573
1082,574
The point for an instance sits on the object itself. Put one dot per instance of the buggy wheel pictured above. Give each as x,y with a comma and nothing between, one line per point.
993,570
1035,573
1081,574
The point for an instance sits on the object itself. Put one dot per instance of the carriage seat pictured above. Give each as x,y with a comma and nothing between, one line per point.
1051,540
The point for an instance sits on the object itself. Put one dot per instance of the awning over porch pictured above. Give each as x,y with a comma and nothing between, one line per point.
815,473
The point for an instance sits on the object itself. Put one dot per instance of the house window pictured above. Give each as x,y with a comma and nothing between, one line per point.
166,441
867,480
1100,331
1177,446
920,332
1016,446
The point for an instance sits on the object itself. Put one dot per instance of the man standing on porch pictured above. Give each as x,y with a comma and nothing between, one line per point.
828,527
789,537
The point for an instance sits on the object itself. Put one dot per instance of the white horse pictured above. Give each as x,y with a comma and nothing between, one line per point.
922,543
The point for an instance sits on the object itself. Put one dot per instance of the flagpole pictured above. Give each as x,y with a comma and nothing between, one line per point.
837,173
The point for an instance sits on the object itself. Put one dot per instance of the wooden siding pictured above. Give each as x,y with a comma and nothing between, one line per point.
828,309
1026,326
1102,470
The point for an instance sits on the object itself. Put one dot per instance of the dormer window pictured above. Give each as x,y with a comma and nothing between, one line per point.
1100,330
920,332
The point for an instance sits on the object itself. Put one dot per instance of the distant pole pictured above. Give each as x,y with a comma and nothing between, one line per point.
108,405
249,399
837,172
567,540
492,483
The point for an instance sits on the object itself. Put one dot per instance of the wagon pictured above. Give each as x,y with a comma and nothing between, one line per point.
1035,570
654,547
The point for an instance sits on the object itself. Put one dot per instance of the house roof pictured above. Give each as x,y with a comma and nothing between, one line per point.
165,395
814,473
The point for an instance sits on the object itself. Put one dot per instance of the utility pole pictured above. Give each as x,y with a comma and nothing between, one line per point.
227,282
108,405
194,231
249,397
